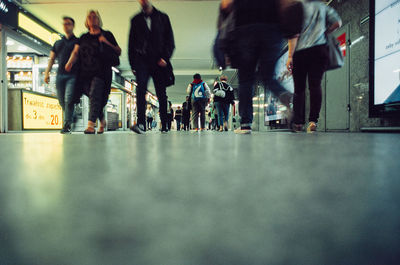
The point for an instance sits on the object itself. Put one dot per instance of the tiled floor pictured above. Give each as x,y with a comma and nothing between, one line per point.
183,198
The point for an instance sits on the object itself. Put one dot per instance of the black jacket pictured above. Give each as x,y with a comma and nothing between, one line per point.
147,46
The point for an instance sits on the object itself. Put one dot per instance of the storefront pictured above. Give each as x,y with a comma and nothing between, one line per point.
27,102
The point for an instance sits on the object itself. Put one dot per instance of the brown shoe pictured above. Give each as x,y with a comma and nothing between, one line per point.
103,125
90,129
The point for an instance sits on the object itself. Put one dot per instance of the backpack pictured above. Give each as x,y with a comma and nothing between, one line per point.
221,91
198,92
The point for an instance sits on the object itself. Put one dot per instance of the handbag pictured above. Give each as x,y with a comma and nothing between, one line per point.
336,58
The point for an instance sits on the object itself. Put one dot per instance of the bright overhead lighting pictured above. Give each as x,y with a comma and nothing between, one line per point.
10,42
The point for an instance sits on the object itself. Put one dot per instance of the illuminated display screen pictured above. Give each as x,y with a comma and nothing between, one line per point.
386,64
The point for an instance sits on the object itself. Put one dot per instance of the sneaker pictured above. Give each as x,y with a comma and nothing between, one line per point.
312,127
164,131
243,130
138,128
66,129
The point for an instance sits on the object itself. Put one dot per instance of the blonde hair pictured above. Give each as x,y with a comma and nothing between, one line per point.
96,12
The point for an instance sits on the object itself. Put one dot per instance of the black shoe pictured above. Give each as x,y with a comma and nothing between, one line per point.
138,128
66,129
164,130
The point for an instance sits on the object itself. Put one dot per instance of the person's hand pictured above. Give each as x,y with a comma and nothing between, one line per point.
102,38
289,64
47,78
162,63
68,67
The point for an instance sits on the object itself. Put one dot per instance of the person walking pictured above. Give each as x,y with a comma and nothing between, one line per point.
223,98
97,51
308,58
150,117
200,97
65,81
151,45
258,41
178,118
186,107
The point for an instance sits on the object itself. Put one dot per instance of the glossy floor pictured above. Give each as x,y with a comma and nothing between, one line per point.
210,198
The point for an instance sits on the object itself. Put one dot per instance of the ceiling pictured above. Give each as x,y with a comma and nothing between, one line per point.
193,22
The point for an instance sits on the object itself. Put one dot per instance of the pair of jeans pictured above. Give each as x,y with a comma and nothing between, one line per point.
143,74
309,63
95,88
178,124
199,109
257,47
223,112
65,85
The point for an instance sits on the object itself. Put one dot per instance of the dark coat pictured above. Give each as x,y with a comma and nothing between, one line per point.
147,46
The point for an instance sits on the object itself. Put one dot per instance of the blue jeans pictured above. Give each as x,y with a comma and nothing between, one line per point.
65,85
257,45
223,112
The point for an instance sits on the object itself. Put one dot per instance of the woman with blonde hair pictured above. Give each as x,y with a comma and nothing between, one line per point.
97,51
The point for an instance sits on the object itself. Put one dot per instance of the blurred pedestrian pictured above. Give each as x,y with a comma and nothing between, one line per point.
308,58
200,96
151,45
98,51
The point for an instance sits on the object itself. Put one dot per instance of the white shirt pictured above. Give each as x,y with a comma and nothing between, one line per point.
148,22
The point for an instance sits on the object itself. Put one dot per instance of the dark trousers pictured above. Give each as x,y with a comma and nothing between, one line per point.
95,88
258,45
199,109
186,122
150,123
143,74
309,63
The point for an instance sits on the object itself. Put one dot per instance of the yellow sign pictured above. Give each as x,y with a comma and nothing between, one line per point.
41,112
34,28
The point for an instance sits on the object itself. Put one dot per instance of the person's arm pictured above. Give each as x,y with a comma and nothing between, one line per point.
333,20
189,89
334,27
292,47
208,92
72,59
49,66
113,43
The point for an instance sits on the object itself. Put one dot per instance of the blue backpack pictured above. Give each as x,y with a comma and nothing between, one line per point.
198,92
